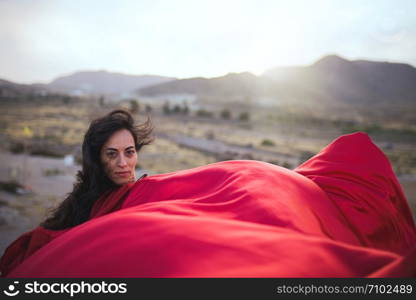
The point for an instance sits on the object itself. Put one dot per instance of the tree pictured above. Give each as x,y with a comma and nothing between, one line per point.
166,108
244,116
134,106
66,99
149,108
177,109
204,113
185,108
268,143
101,101
225,114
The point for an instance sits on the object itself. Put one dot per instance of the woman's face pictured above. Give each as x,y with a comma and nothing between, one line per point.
119,157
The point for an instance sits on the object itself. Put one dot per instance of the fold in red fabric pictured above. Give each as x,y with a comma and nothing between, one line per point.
340,214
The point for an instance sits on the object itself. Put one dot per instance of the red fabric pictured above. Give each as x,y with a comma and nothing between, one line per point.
359,181
28,243
110,202
341,214
25,246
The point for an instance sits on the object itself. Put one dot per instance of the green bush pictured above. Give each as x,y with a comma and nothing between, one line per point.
177,109
305,155
268,143
52,172
244,116
10,186
274,162
204,113
225,114
287,165
148,108
134,106
17,148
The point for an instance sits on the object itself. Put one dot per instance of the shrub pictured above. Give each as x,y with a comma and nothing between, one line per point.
134,106
149,108
244,116
204,113
287,165
10,186
267,143
305,155
52,172
17,148
274,162
225,114
185,109
177,109
166,108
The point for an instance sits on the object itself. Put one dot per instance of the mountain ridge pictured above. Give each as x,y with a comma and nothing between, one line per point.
330,79
103,82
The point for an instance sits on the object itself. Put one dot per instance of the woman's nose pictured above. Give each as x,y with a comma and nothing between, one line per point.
122,161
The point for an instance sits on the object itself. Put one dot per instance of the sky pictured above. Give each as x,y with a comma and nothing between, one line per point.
44,39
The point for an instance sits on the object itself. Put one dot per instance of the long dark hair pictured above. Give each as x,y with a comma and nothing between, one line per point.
91,180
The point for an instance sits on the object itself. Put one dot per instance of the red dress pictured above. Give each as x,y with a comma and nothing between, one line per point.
340,214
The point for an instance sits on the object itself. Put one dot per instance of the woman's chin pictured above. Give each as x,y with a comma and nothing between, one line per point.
121,181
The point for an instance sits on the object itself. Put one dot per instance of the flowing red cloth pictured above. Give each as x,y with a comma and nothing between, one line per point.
30,242
340,214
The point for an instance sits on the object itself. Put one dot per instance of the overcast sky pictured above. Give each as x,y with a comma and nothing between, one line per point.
43,39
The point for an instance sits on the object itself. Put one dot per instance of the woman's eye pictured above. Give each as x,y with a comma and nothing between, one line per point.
111,154
131,152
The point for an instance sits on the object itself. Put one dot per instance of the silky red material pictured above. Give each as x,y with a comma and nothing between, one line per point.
340,214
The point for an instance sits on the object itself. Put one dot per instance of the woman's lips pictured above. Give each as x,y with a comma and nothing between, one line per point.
123,174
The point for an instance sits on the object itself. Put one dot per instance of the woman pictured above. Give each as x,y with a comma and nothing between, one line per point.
340,214
109,159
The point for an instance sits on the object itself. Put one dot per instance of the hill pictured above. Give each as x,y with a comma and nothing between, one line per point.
103,82
331,79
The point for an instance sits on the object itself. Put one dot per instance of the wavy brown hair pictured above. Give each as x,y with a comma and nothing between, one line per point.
91,181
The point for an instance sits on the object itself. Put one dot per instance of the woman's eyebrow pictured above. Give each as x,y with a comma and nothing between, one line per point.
114,149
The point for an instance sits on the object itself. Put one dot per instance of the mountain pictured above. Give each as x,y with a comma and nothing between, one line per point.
103,82
10,89
232,84
331,79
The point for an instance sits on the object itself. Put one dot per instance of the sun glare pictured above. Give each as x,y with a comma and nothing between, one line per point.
275,44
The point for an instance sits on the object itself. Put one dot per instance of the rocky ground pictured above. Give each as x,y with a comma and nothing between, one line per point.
45,181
